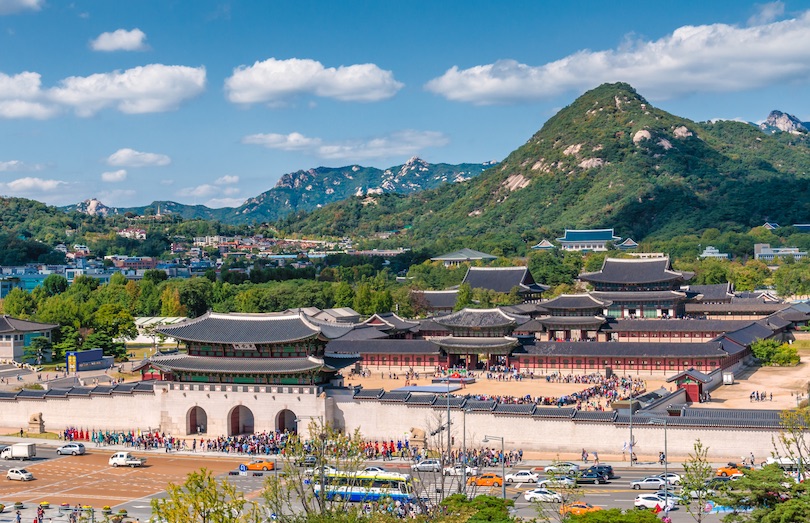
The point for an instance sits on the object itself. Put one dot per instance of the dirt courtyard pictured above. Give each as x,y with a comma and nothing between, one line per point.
783,382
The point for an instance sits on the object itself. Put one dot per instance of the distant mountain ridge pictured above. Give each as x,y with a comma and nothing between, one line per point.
778,121
610,159
306,190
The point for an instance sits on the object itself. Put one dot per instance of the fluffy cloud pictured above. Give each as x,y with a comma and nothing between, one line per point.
148,89
217,203
17,165
8,7
767,13
22,109
206,190
408,142
705,58
31,186
131,158
120,40
274,81
20,97
114,176
228,179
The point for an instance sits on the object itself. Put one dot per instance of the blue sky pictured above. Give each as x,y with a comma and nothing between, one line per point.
210,102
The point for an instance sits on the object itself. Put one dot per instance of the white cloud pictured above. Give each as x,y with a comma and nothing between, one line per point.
131,158
274,81
22,109
19,97
228,179
120,40
114,176
116,197
32,186
17,166
8,7
408,142
285,142
147,89
217,203
706,58
206,190
767,13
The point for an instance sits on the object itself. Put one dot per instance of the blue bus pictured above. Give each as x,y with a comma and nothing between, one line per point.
367,486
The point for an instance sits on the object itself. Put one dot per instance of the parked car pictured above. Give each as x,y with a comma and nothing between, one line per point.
605,470
523,476
460,470
260,464
648,483
564,467
672,478
489,479
559,481
651,501
19,475
542,495
578,508
592,477
74,449
427,465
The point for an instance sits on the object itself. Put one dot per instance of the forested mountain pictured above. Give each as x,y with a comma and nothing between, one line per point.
610,159
310,189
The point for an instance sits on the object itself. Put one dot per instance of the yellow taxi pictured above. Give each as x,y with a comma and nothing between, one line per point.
578,508
486,480
260,464
731,469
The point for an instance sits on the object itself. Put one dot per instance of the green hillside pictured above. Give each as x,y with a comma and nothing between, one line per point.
610,159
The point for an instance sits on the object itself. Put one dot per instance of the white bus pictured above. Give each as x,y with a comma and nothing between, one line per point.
367,486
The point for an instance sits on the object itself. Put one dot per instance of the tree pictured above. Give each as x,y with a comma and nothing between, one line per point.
39,350
464,298
203,499
363,299
19,304
54,284
697,471
103,341
114,321
170,303
615,515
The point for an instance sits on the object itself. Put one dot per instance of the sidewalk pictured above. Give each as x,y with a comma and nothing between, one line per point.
532,460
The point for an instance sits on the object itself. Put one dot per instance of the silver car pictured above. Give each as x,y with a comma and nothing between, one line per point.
427,465
19,475
74,449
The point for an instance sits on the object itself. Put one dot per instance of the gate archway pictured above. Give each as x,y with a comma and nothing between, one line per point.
196,421
285,420
240,421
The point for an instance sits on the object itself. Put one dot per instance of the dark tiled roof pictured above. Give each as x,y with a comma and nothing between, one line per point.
719,291
8,394
638,296
558,413
242,328
363,333
394,397
740,414
483,318
9,324
439,299
675,325
722,423
575,302
523,309
465,255
383,346
691,373
431,326
502,279
456,402
31,393
79,391
793,314
774,322
521,409
571,321
635,271
390,320
749,334
330,329
368,394
479,405
185,363
752,306
57,393
102,389
604,416
483,343
608,349
531,326
420,399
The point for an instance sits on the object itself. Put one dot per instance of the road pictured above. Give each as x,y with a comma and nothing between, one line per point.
89,480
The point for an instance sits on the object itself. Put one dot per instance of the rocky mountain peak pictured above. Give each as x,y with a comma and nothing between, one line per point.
94,207
778,121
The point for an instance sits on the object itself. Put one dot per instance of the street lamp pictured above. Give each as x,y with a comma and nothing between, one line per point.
503,465
663,421
632,444
322,460
464,452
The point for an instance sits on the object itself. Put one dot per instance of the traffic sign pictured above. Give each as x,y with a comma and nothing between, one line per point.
242,467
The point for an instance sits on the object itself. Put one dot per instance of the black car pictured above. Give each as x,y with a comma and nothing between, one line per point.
592,476
604,470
